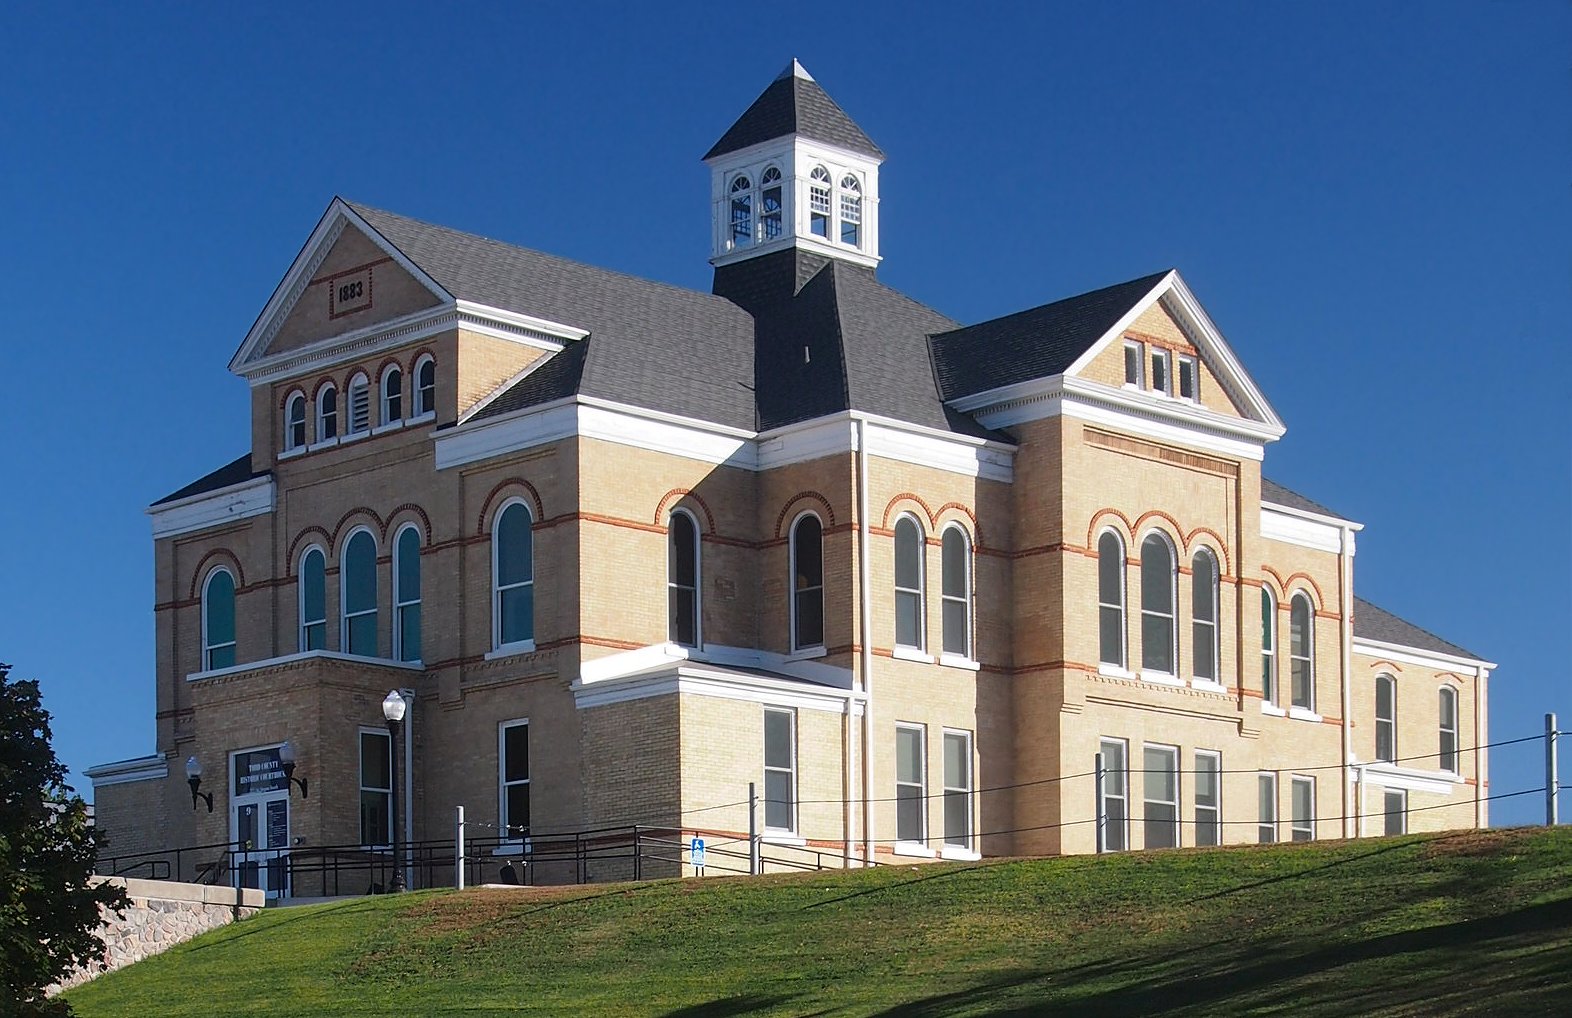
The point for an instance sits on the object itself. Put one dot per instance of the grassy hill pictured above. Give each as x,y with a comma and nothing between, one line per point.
1473,922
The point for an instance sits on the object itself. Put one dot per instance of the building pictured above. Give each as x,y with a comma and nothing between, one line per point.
939,590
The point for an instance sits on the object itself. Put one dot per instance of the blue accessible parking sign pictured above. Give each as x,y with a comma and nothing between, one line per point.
696,854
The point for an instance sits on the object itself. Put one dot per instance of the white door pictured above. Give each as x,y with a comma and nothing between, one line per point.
259,824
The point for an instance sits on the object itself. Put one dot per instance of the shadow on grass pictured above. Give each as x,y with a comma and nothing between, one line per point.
899,885
267,927
728,1006
1312,870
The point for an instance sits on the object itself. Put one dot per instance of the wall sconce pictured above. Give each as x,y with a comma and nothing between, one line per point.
194,779
286,757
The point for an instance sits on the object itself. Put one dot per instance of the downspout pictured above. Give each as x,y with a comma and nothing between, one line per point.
1345,571
865,620
1481,738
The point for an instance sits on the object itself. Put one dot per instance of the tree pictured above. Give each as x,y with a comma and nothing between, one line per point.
49,909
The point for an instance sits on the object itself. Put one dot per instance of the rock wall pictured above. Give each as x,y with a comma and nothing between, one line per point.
162,913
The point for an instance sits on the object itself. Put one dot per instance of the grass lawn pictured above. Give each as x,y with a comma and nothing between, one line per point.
1471,922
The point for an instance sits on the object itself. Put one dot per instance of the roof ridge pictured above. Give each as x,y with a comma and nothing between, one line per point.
1154,277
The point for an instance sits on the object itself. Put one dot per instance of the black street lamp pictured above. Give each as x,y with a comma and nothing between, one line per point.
286,757
393,708
194,779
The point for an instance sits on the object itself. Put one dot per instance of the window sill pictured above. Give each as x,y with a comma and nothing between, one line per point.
383,429
429,415
512,650
806,653
513,849
953,661
1115,672
326,443
782,838
291,453
1208,686
913,849
911,654
1268,707
1161,679
354,436
959,854
1301,714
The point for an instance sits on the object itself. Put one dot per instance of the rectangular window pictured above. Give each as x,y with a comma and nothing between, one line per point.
1161,380
1386,718
1162,796
1113,810
1303,806
1208,798
911,785
819,210
1266,794
1134,359
780,770
1189,379
513,777
1448,730
1396,811
376,788
1268,647
958,789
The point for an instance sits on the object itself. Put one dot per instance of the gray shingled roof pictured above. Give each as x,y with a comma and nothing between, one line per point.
794,104
1037,343
1275,493
1372,622
234,472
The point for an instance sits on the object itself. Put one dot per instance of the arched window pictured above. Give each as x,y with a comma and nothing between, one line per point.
425,386
513,576
406,593
851,211
359,405
1301,652
313,600
358,610
1448,716
1158,652
908,583
770,207
956,584
741,212
1386,718
392,394
682,579
1203,611
819,202
327,413
1110,599
218,620
295,421
807,570
1268,646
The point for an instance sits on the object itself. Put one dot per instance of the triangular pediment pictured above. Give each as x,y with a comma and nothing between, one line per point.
347,279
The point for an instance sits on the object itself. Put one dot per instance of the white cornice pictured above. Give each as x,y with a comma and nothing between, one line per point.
1304,514
1305,530
1389,775
241,501
308,655
1401,654
664,669
143,768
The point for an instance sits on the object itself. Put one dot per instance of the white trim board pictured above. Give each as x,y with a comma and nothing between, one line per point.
636,662
700,680
1304,530
208,509
325,655
1399,654
121,772
1389,775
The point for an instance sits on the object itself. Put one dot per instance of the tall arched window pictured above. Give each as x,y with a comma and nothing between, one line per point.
1110,599
851,211
741,212
819,202
513,576
956,583
359,405
406,593
1448,716
295,421
1386,718
1203,611
1269,692
313,600
392,394
358,581
1158,652
1301,652
682,579
327,413
425,386
908,583
770,206
218,620
807,571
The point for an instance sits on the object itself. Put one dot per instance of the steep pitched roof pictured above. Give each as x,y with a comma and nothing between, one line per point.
1372,622
1275,493
234,472
794,104
1036,343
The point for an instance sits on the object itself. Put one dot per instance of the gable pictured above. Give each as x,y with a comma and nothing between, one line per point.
356,284
1158,327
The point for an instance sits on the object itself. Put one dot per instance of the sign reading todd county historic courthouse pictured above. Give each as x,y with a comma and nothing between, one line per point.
259,771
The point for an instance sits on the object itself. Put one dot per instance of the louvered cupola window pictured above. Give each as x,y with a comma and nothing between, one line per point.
819,202
851,211
741,212
770,207
359,405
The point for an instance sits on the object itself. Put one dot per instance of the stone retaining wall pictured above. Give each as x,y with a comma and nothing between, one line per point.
161,914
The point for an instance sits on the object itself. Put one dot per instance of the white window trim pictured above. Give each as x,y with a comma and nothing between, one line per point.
952,661
291,447
1275,821
499,648
322,441
503,783
1180,363
970,657
1300,714
1140,372
1109,671
1402,793
343,593
950,852
300,598
414,389
398,595
326,443
1450,691
208,647
1216,757
1293,824
358,380
1208,686
360,755
1161,678
746,192
698,575
1267,707
920,846
796,788
1103,796
513,649
913,849
1269,649
1308,708
1391,722
1215,623
921,590
385,420
1167,358
814,649
903,653
946,849
1120,668
1178,800
1153,675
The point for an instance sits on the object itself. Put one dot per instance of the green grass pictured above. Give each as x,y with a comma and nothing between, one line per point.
1428,925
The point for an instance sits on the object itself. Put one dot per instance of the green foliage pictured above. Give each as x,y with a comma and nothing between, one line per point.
1435,925
49,911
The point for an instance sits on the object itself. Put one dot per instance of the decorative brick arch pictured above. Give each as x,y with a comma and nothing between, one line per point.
1176,534
669,501
1097,518
801,496
389,362
1318,602
908,496
283,402
1281,590
325,380
227,558
1215,546
1384,665
296,544
344,520
408,508
530,495
974,531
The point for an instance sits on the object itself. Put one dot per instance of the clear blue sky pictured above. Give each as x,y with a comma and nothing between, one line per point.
1371,200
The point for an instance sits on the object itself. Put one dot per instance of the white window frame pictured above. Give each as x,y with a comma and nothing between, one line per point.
1209,816
964,599
504,822
791,718
344,615
1308,658
673,588
1172,615
1266,823
1298,825
1183,362
967,790
296,402
919,844
386,413
300,599
1271,687
1387,813
1123,796
1206,630
766,185
740,189
1389,723
826,185
360,754
797,646
208,647
1455,765
1122,607
497,644
423,401
1162,364
848,207
329,391
401,603
1136,347
1147,802
918,592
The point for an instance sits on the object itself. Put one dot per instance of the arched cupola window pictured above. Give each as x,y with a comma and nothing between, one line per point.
741,211
851,211
770,205
819,202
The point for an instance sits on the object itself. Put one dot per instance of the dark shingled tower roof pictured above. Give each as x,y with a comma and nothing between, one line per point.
795,104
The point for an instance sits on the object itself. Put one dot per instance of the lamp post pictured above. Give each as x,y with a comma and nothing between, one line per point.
393,708
286,757
194,779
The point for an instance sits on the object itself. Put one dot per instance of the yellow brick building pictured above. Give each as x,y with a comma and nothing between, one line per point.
936,590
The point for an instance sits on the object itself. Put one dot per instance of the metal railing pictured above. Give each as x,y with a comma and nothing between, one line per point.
197,864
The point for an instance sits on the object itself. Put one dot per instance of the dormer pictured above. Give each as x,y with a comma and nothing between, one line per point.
794,171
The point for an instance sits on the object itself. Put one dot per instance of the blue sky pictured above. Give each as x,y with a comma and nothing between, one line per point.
1370,199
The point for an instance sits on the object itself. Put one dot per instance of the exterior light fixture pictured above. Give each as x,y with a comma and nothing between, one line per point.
194,779
286,757
393,708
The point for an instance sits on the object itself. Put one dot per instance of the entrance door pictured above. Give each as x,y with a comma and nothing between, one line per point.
260,824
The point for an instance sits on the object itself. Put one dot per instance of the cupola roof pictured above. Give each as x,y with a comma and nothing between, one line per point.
795,104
